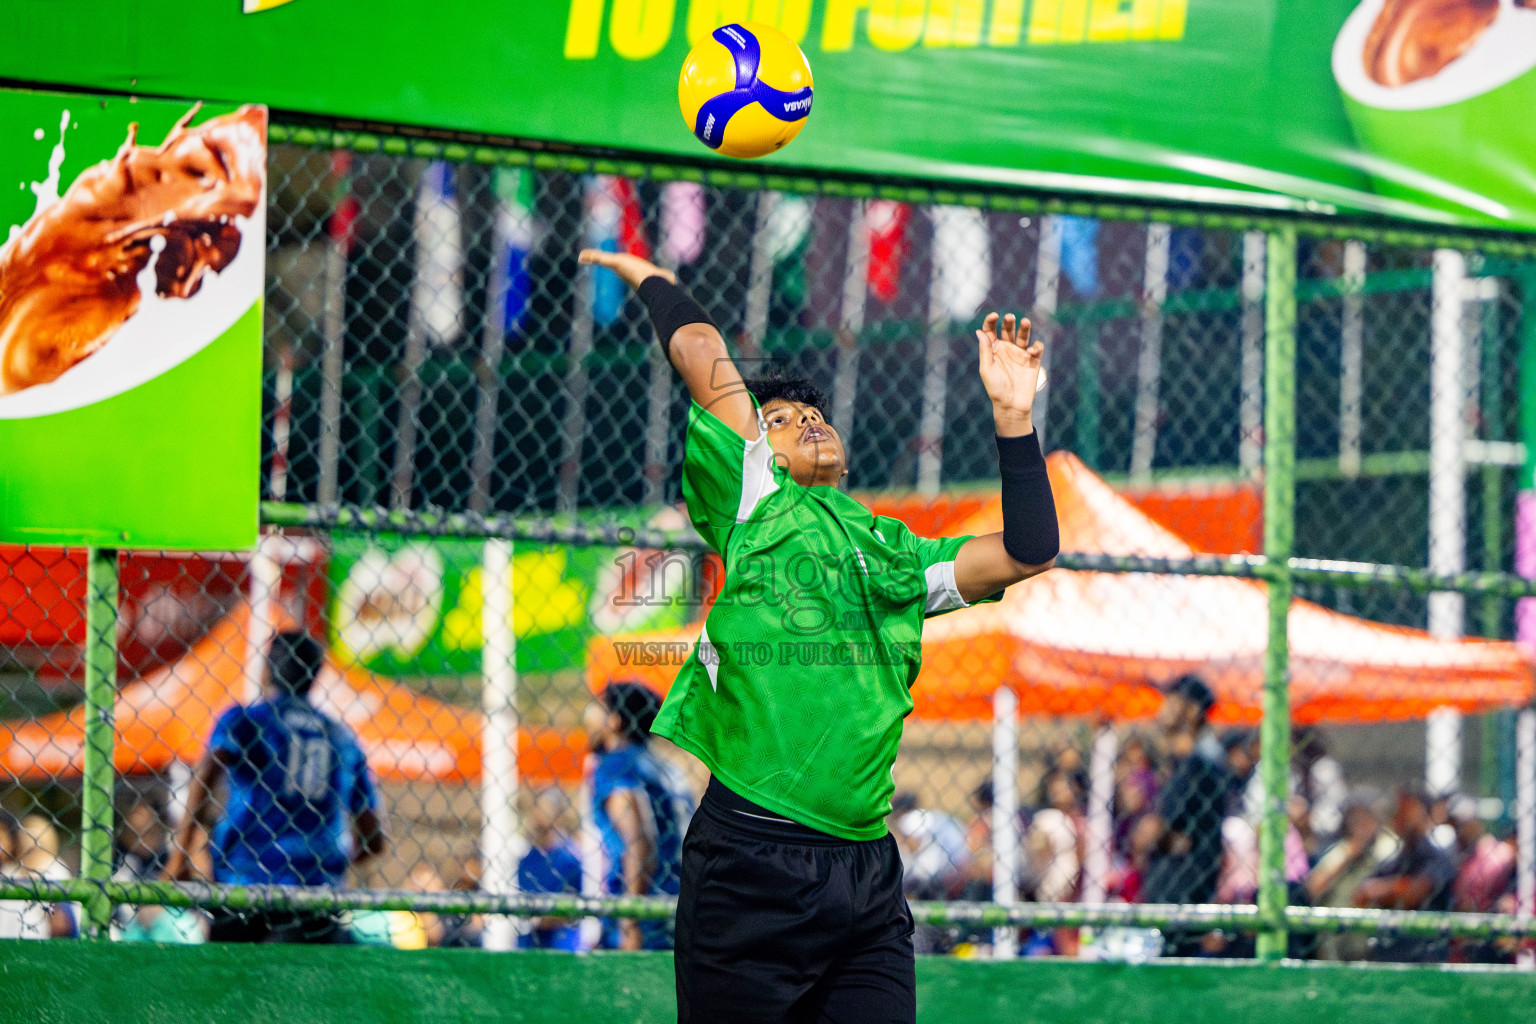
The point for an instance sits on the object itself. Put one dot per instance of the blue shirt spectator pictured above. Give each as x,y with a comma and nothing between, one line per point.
551,865
296,780
301,806
641,808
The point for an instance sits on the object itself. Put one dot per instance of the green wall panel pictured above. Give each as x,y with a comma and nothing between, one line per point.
82,983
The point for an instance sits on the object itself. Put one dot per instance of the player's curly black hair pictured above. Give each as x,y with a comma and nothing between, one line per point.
777,386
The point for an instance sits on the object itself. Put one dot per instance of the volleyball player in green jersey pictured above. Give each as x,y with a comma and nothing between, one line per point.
791,905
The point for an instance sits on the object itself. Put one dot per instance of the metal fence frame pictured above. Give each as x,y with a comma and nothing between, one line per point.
1271,918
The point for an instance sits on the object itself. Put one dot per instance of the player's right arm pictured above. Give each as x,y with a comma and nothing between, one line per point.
370,836
696,350
200,806
623,808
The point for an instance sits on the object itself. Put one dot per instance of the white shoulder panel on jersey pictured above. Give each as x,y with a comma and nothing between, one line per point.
757,480
943,593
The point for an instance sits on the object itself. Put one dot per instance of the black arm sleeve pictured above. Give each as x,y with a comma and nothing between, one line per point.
670,308
1030,534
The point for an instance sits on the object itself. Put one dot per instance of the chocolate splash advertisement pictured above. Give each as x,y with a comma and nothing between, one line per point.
1442,97
131,282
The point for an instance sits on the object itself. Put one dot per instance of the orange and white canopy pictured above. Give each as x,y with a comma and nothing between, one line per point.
1099,644
168,715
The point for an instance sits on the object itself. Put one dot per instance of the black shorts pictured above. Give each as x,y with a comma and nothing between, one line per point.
778,922
315,927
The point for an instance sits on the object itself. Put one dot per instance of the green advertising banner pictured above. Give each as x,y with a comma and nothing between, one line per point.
131,281
416,606
1415,108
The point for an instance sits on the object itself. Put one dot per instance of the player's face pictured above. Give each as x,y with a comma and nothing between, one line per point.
805,442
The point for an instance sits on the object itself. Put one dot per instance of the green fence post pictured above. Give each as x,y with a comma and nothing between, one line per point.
1279,540
97,780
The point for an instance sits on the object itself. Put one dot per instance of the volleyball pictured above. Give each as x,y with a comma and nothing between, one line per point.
746,90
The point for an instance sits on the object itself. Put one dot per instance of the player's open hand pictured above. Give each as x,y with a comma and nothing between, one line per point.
1010,370
631,269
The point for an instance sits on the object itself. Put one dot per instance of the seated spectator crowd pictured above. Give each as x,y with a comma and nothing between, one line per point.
1185,813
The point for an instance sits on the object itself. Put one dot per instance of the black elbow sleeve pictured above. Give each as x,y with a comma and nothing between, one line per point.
1030,533
670,308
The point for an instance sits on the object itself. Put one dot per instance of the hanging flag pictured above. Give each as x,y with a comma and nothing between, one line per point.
517,233
1080,253
887,224
341,226
614,224
1186,247
437,295
789,236
963,249
682,223
631,219
603,216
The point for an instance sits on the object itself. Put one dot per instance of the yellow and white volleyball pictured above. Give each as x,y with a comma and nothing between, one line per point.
745,90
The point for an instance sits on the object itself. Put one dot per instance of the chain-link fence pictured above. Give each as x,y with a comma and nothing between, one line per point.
470,460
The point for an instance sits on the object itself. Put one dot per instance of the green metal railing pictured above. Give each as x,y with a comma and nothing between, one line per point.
543,530
1191,918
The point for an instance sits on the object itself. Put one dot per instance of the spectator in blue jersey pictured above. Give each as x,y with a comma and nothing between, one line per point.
551,865
641,807
301,807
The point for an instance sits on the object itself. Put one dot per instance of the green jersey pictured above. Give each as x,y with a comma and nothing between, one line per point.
795,692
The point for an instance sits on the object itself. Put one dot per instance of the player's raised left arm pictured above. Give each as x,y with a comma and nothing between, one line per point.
1030,540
